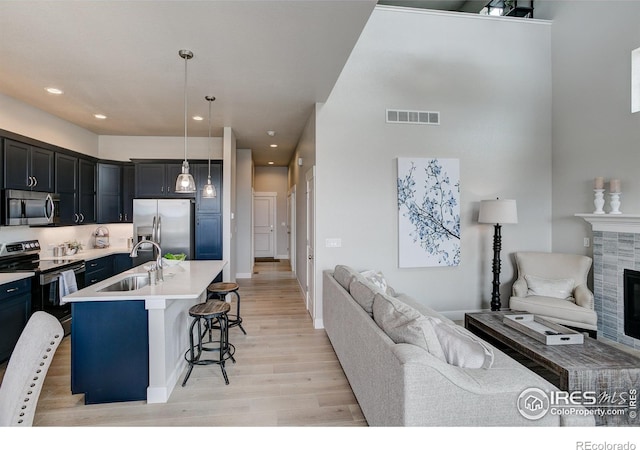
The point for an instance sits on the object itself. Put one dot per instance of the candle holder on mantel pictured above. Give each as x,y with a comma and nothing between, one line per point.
598,201
615,203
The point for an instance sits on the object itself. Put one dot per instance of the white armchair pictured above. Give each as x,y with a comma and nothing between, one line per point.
554,286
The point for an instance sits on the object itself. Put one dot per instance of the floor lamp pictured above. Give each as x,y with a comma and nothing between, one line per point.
497,212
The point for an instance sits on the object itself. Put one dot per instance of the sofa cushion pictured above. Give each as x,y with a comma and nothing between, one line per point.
363,292
343,275
461,348
405,325
422,308
557,288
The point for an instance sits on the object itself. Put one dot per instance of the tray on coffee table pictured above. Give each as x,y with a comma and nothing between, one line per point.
542,330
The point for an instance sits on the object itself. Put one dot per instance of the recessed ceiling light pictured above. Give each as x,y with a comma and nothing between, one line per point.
100,116
198,118
271,133
273,145
270,163
55,91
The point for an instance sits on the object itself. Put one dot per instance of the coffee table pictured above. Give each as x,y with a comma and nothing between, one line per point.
613,374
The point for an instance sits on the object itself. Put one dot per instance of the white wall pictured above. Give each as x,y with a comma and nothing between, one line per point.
229,221
594,131
305,150
490,78
23,119
244,209
274,179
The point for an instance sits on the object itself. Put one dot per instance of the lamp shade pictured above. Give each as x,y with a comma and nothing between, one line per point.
498,211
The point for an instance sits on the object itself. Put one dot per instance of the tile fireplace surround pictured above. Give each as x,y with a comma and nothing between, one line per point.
616,246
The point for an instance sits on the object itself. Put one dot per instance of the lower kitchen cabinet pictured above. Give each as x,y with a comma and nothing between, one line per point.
98,270
15,310
110,351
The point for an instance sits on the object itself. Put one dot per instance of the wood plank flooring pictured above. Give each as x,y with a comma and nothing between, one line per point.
286,374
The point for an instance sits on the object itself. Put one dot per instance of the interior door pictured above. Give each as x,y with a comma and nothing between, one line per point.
311,266
264,214
291,227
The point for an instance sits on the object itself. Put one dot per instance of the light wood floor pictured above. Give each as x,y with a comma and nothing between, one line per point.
286,374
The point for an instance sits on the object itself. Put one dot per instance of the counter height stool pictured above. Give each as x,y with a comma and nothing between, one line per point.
209,312
219,291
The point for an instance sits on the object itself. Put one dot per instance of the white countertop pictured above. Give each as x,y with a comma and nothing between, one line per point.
187,280
15,276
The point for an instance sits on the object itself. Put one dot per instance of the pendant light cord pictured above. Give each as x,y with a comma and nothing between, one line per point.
185,107
210,99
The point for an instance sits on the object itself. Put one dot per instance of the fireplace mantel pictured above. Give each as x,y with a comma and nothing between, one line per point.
619,223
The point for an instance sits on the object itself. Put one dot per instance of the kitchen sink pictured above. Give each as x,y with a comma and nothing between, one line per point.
130,283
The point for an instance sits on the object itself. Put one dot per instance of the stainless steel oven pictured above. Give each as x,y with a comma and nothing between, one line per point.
45,290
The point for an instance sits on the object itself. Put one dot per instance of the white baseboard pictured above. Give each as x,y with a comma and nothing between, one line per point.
286,256
243,275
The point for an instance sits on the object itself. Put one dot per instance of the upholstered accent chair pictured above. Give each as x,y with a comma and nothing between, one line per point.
554,286
27,368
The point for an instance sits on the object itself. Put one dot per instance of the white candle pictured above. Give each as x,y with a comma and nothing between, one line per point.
599,183
614,186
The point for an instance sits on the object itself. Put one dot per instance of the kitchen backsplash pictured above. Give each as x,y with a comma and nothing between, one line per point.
51,236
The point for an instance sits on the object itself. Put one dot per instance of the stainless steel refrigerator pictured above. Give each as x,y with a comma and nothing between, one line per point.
169,222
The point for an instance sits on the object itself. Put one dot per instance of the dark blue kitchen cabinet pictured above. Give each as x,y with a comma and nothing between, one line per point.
110,351
122,262
154,180
209,236
27,167
97,270
76,186
15,310
109,193
200,173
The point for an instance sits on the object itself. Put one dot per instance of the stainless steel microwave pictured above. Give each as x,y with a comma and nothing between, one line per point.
29,208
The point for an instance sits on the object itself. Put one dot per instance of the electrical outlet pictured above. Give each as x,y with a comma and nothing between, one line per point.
586,242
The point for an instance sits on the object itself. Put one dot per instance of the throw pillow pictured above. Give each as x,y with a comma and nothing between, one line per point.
558,288
463,349
376,278
392,315
363,292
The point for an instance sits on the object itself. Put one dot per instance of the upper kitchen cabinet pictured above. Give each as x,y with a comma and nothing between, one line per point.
156,179
200,173
76,185
109,193
116,185
27,167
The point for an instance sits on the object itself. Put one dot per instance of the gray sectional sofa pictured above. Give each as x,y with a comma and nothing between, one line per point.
407,384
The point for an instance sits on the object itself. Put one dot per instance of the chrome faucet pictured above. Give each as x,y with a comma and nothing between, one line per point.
134,254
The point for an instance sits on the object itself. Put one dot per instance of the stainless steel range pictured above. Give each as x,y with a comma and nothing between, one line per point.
24,256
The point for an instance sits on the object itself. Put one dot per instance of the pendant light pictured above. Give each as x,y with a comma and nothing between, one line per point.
185,183
209,190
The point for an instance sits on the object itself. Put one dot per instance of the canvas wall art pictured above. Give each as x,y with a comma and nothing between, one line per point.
428,212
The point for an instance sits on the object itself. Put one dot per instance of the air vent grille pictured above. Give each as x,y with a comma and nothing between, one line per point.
417,117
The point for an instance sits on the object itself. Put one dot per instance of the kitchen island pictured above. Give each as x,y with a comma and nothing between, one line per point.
129,344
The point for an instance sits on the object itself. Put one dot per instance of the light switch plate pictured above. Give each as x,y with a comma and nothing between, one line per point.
333,242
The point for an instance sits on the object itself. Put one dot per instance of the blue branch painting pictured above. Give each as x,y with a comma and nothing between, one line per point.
428,212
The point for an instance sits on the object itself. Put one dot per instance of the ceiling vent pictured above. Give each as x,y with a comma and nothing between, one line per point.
417,117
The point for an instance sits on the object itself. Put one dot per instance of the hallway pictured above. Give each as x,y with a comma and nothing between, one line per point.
286,374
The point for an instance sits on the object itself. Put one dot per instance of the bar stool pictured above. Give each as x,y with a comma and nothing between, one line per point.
219,291
209,312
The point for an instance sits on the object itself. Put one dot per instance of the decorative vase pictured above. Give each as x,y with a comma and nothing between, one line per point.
615,203
598,201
